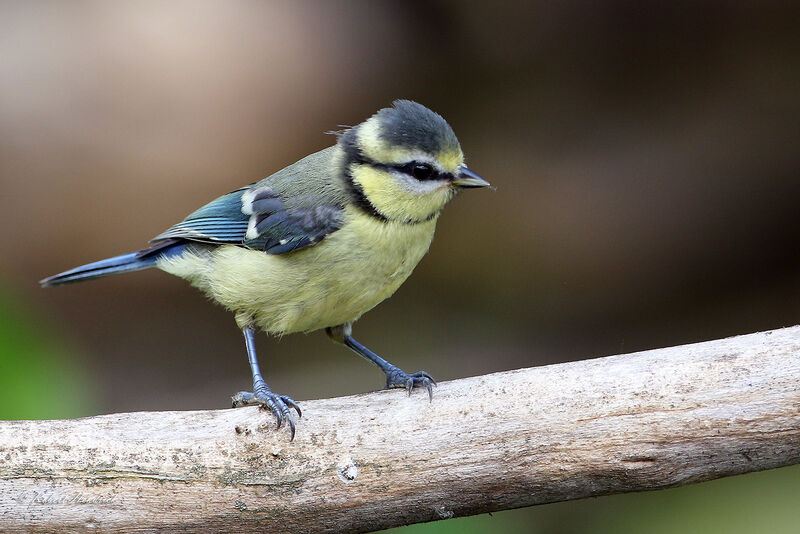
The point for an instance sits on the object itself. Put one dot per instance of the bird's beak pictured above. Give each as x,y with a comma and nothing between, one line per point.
467,178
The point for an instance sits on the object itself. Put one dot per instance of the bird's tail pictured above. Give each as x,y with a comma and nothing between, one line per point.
126,263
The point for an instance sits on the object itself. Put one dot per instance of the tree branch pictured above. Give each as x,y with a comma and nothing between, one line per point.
634,422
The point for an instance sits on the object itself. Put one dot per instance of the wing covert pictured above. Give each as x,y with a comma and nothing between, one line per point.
257,217
277,228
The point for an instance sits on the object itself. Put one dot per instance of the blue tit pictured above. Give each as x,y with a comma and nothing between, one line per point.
318,243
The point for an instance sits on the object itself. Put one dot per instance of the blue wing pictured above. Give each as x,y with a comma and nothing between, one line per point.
256,217
220,221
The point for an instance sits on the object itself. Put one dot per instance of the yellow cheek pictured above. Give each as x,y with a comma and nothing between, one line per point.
394,201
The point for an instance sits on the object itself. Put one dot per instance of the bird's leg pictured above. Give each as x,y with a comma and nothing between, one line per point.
395,377
261,394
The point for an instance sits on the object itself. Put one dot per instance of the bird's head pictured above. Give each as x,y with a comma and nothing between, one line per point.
405,163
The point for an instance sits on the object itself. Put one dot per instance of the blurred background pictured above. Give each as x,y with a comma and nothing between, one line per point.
646,158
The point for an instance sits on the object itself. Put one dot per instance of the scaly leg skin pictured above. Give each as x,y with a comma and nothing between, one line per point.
261,394
395,377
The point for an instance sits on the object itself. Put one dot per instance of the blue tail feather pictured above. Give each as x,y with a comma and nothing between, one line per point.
126,263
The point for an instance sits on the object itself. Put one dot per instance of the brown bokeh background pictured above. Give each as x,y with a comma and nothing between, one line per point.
645,156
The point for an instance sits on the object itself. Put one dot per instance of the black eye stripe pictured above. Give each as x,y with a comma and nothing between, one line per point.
406,168
419,170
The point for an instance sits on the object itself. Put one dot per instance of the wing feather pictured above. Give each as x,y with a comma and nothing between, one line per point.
259,218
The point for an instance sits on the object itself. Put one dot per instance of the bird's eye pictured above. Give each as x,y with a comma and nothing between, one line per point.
421,171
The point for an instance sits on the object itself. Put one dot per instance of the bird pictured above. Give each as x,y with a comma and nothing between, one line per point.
319,243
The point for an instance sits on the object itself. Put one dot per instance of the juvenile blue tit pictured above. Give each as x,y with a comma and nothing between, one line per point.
319,243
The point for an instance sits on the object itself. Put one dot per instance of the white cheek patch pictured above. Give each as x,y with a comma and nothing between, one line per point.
419,187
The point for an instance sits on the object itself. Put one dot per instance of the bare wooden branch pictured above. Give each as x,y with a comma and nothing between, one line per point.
634,422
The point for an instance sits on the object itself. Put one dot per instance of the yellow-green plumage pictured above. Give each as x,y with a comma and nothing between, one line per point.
350,271
334,282
319,243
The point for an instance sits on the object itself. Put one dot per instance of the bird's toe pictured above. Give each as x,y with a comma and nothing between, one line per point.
279,405
400,379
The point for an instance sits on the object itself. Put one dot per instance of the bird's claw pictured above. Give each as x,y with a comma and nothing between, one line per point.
397,378
279,405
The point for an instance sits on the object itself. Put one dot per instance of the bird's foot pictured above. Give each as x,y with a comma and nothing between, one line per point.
280,405
397,378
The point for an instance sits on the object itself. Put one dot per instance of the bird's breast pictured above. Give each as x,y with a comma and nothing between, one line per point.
330,283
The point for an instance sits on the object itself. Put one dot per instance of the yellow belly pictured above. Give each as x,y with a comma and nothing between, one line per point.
333,282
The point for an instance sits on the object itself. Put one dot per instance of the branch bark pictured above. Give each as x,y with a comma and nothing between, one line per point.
642,421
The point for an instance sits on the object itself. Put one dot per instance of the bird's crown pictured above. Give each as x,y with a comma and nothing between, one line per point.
406,132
